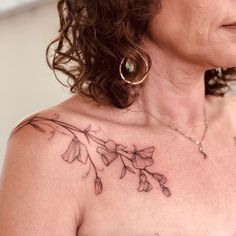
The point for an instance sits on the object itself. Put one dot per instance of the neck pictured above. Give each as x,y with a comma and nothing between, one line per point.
175,88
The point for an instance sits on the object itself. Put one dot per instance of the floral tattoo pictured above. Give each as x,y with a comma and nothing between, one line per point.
135,161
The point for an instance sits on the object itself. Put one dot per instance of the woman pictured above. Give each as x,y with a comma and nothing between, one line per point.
147,144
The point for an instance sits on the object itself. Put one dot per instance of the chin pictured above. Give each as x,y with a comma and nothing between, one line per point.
229,62
226,60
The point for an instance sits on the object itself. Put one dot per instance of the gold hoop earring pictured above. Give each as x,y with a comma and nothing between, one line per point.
130,67
219,72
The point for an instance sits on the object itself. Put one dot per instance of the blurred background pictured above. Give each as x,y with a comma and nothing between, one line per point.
27,84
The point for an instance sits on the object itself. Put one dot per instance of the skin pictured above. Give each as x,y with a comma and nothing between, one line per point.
50,188
184,40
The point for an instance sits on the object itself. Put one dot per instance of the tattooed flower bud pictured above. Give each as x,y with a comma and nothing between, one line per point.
98,185
76,150
147,186
143,177
166,190
160,178
141,186
144,186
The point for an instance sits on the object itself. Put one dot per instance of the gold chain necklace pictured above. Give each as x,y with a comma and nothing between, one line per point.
195,141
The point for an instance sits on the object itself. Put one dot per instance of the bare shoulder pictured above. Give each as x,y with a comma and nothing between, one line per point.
48,138
41,181
46,135
66,139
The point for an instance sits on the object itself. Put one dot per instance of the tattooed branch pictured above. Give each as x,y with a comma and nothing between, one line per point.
134,161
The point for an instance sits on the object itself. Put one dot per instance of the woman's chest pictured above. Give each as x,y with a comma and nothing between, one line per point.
139,216
202,199
168,188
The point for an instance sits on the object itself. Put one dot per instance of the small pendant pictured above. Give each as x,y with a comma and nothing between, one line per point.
202,151
197,142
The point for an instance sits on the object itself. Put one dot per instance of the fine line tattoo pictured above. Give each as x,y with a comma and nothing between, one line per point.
135,161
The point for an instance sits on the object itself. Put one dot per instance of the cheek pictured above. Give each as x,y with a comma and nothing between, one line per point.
214,46
181,35
191,30
179,22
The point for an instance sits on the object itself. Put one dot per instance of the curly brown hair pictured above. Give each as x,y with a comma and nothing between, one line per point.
95,36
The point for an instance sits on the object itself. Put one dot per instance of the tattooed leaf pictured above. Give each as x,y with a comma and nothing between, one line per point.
56,116
87,129
105,160
130,169
38,128
32,117
123,173
87,137
120,147
53,132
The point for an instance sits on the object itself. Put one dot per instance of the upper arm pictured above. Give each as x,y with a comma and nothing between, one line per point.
38,192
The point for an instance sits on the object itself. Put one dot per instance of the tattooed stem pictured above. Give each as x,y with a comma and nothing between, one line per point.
94,167
53,128
96,140
122,160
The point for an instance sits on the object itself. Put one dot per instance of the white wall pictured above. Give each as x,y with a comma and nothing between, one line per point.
26,83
